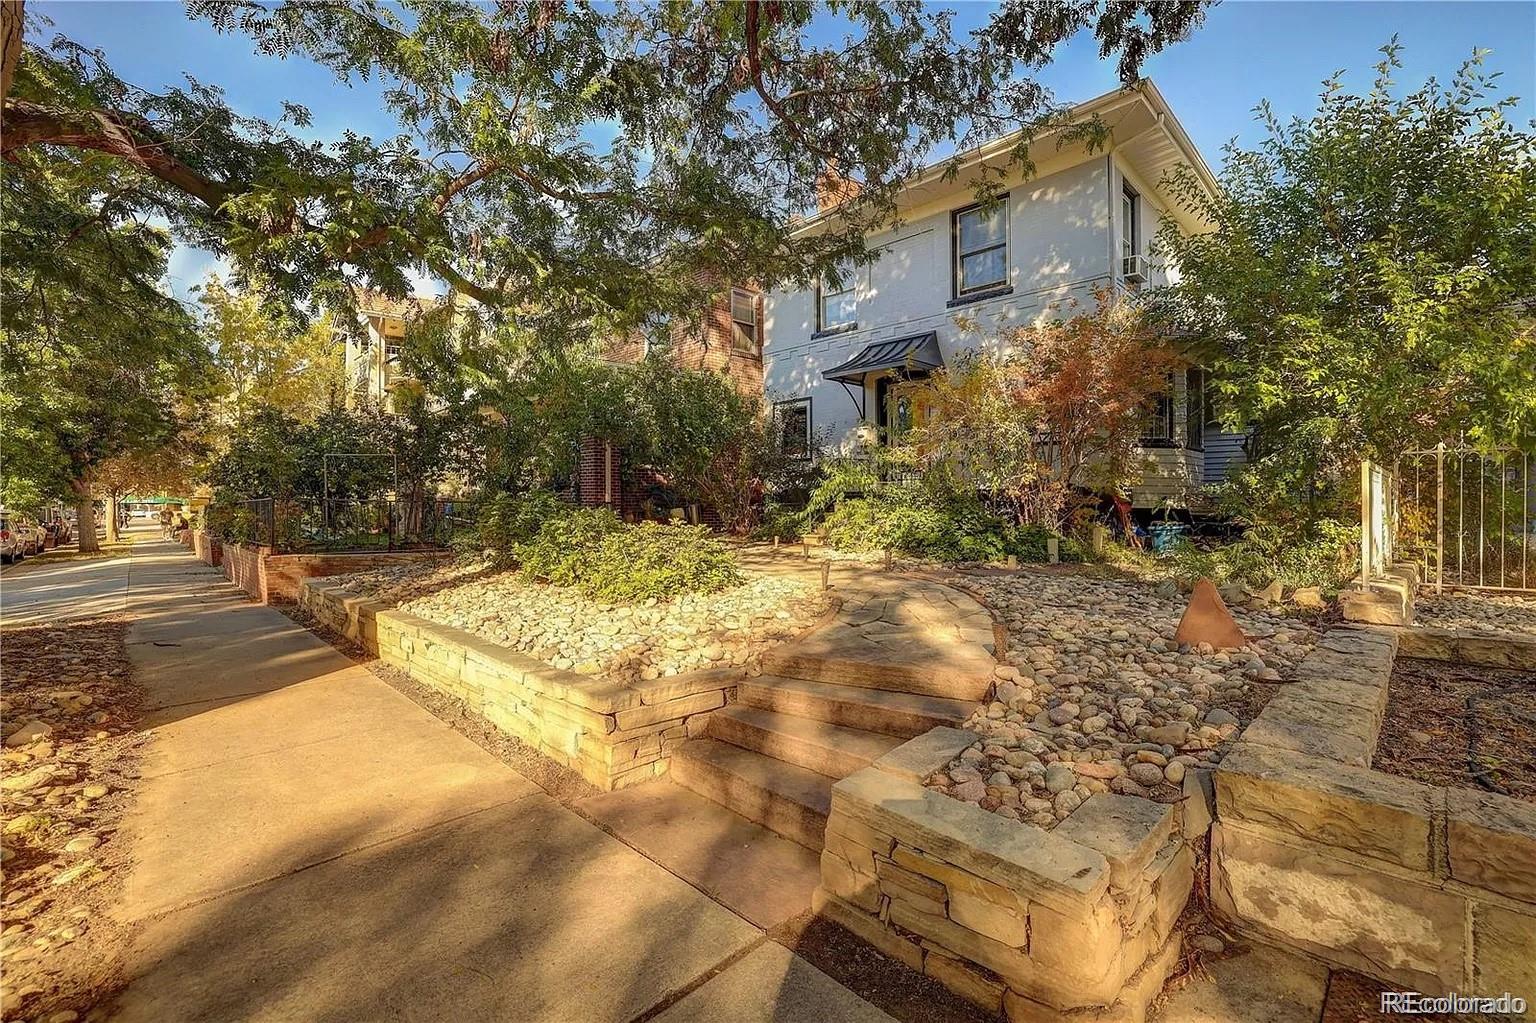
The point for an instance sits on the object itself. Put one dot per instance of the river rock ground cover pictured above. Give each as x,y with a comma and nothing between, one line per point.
1485,612
1098,696
560,626
71,757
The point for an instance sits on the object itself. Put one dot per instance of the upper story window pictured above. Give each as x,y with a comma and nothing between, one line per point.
981,247
1130,222
744,333
837,305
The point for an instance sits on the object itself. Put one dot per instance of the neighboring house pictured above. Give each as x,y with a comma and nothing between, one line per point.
373,356
728,339
955,275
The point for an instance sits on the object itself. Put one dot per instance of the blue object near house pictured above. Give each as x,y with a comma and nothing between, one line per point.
1165,535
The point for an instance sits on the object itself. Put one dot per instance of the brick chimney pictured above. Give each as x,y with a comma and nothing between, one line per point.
833,188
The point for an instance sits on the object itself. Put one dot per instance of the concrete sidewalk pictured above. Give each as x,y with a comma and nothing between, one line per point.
311,845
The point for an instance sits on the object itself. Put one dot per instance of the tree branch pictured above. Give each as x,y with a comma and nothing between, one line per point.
755,67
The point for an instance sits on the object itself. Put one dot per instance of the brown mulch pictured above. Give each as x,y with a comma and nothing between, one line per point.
1461,725
61,947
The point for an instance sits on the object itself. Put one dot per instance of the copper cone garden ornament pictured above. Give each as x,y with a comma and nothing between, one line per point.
1207,620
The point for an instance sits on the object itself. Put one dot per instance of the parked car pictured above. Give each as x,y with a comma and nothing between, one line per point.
20,535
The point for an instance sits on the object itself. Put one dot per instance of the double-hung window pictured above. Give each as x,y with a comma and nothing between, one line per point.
837,304
794,422
981,247
744,336
1158,431
1195,411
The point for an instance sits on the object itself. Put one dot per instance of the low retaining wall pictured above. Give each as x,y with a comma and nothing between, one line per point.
276,578
208,548
1074,923
1428,888
613,734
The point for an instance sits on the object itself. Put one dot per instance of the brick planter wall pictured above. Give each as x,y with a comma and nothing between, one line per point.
275,578
1425,887
613,734
208,548
1077,922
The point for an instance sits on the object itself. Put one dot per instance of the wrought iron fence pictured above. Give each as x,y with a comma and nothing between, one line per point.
1468,516
296,527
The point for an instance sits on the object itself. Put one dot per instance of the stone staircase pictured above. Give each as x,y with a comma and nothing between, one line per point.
813,718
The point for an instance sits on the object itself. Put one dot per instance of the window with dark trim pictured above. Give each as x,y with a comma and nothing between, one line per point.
744,336
1159,429
1130,221
1195,412
837,305
980,235
794,425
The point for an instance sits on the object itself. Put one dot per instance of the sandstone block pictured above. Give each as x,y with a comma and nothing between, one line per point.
954,878
923,893
860,857
1381,923
1492,841
1009,963
1172,885
1038,865
1128,831
1083,950
977,986
1503,951
1007,924
840,878
860,833
1353,808
637,717
917,758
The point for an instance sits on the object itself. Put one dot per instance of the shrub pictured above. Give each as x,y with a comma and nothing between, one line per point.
507,521
658,561
564,547
1319,555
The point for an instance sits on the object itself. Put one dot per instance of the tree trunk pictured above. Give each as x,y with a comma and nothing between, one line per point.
113,535
12,22
85,517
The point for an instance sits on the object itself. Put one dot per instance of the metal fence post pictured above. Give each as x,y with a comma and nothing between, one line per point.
1440,518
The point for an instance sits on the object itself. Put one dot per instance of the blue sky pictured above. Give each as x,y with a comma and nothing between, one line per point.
1245,52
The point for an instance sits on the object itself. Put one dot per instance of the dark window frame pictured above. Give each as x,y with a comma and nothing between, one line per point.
1130,231
1196,413
1161,415
754,342
779,408
957,255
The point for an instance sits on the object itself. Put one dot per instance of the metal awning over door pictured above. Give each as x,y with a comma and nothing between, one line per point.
914,353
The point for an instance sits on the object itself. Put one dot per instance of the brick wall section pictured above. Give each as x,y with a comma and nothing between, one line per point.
1427,888
1075,923
613,734
208,548
275,578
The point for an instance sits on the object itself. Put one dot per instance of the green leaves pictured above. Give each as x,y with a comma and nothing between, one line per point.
1367,282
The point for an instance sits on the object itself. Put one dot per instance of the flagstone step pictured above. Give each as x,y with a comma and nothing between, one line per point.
783,798
874,710
963,678
821,746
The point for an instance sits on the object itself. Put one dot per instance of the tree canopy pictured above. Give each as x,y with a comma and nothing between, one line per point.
1369,284
720,118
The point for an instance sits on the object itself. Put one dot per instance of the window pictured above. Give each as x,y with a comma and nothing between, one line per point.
794,420
981,247
1159,428
837,305
744,321
1130,222
1195,412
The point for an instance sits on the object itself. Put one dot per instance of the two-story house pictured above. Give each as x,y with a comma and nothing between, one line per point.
373,368
955,275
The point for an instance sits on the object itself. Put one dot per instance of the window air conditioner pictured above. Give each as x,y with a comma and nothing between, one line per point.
1135,269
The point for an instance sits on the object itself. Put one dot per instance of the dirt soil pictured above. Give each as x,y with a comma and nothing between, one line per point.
65,793
1461,725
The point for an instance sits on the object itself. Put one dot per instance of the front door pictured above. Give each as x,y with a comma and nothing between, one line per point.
896,413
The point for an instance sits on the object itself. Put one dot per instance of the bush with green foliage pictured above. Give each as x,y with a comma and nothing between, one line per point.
1321,555
590,549
660,561
508,520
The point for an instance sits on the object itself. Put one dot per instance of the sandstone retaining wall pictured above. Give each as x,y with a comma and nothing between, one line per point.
1428,888
276,578
1074,923
613,734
